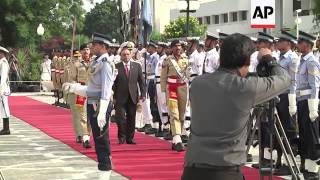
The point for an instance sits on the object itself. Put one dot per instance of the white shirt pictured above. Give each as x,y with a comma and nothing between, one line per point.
4,74
211,62
253,62
196,62
126,64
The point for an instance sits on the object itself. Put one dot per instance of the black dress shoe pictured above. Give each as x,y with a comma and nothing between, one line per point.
310,176
282,171
79,139
86,144
184,138
167,135
249,158
121,141
131,141
177,147
150,130
159,134
5,132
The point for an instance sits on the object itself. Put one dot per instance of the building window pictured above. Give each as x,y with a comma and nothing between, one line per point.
234,16
208,20
215,19
200,20
224,18
243,15
296,4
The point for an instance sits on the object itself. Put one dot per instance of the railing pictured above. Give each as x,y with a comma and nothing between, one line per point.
25,86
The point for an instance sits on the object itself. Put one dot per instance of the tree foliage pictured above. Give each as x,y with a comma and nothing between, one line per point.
19,20
316,11
177,28
103,18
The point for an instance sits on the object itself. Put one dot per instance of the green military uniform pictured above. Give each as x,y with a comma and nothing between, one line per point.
53,71
80,70
71,78
176,90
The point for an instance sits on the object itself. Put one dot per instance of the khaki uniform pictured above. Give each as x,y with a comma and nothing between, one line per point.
53,71
176,91
80,72
71,98
58,74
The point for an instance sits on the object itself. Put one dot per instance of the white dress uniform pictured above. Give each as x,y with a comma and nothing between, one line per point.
161,96
211,61
4,88
46,70
47,85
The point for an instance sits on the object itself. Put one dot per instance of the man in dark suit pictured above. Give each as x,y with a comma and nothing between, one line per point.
126,94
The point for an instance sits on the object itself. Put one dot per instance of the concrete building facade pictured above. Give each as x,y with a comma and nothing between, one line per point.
230,16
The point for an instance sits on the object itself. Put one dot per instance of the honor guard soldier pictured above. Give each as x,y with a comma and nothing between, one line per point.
308,82
4,90
161,96
286,108
98,91
70,76
211,60
152,60
80,71
173,81
263,41
54,74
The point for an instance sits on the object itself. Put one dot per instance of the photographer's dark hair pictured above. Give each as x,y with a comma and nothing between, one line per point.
236,51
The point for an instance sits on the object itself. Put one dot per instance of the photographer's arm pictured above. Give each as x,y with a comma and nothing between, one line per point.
269,87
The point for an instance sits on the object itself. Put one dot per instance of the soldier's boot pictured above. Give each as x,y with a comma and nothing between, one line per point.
177,144
167,133
159,133
6,129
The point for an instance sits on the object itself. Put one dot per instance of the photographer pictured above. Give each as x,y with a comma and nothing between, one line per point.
221,104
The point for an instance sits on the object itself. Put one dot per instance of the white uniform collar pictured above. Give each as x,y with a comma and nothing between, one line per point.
194,53
286,55
105,55
307,56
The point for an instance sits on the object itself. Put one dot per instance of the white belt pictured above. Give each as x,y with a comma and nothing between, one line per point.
151,77
57,71
62,71
53,70
304,92
175,81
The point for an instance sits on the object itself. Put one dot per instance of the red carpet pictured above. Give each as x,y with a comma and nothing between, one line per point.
151,158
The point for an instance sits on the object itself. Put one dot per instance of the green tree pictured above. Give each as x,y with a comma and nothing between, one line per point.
103,18
177,28
157,36
20,18
316,11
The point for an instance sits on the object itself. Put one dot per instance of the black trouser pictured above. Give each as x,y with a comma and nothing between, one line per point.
308,133
152,91
218,173
101,139
126,119
286,120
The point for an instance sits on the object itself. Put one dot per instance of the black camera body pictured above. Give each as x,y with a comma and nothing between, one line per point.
265,66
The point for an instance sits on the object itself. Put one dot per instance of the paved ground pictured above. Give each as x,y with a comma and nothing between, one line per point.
29,154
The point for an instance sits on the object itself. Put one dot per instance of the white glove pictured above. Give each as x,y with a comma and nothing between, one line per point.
78,89
313,109
66,86
102,113
292,104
